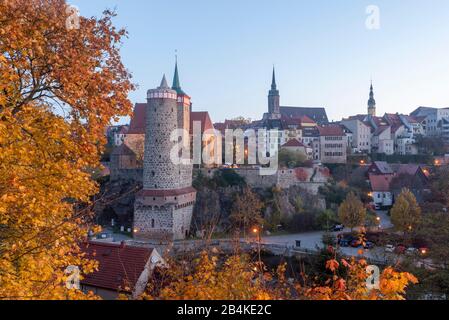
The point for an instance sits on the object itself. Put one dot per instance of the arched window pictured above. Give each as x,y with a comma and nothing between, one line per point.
152,223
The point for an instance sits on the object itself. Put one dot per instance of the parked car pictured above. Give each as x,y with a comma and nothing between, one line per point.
356,243
366,245
345,243
411,251
338,228
400,249
389,248
369,245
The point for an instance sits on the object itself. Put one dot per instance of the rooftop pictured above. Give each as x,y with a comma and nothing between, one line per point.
120,266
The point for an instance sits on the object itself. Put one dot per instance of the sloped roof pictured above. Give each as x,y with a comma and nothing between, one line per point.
360,117
331,130
123,150
293,143
204,118
306,119
138,119
380,183
120,266
380,130
318,115
409,169
383,167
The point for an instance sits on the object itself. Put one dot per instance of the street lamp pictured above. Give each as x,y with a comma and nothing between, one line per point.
256,231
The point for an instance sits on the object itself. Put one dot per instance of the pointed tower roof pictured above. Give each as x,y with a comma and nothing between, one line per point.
164,84
371,101
176,83
273,82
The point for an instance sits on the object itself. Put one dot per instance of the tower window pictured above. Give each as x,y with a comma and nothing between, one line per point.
153,173
152,223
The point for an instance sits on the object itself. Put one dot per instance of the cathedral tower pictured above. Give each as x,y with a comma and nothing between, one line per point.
163,209
274,99
371,103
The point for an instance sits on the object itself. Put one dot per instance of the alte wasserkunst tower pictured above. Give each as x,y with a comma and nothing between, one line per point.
163,209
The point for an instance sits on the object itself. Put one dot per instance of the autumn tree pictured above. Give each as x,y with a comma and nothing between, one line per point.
246,211
352,213
235,277
406,213
61,83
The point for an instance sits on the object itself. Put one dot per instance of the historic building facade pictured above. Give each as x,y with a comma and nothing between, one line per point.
163,209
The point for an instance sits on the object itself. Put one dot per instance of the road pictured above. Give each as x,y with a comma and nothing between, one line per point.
313,240
309,240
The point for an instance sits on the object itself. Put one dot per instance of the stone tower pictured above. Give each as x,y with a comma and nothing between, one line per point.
184,108
163,209
371,102
274,100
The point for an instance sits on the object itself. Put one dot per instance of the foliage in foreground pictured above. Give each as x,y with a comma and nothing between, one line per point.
237,278
59,88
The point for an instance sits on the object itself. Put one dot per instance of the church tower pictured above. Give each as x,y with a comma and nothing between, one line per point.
371,103
274,99
163,209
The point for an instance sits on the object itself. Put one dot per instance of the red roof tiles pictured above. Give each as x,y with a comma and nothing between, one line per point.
293,143
380,183
138,119
203,117
332,130
120,266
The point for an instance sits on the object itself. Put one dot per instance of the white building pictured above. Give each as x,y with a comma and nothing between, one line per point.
361,135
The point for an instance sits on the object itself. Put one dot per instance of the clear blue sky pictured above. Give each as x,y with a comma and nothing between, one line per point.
324,54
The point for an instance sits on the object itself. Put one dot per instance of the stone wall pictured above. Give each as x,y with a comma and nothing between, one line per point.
309,179
166,223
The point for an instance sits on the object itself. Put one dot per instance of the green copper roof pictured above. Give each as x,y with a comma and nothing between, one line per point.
176,83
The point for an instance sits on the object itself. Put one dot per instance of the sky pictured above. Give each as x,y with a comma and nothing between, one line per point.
323,52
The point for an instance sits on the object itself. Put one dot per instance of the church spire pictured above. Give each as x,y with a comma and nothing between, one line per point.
274,99
273,82
176,83
371,102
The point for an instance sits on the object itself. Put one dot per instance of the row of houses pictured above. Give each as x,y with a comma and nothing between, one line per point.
387,181
308,130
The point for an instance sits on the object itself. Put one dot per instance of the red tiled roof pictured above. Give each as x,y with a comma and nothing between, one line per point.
138,119
306,119
409,169
380,183
204,118
383,167
331,130
293,143
120,266
123,150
